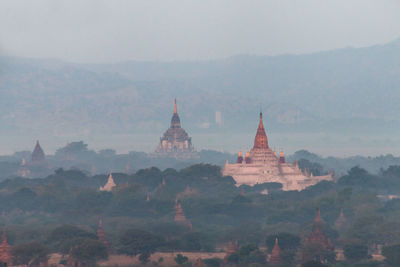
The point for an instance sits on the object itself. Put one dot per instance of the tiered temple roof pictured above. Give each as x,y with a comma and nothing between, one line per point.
101,235
38,155
275,257
175,141
317,235
5,250
261,140
180,216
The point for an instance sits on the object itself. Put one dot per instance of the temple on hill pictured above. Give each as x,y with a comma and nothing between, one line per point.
175,142
109,185
38,157
262,165
5,251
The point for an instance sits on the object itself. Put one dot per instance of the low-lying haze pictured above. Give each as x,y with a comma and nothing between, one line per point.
339,102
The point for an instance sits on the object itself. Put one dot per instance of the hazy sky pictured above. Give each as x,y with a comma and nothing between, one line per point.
104,31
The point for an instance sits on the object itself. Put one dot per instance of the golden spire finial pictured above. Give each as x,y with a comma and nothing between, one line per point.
175,108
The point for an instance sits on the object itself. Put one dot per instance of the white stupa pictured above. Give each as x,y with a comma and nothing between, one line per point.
109,185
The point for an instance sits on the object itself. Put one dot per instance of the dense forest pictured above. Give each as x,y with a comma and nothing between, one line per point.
62,211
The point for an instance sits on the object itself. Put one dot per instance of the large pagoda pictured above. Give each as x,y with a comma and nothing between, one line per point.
175,142
262,165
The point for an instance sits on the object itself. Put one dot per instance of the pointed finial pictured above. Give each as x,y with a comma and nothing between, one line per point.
318,216
175,108
4,238
100,223
276,241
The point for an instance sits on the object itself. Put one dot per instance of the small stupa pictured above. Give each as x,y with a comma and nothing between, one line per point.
180,216
109,185
341,220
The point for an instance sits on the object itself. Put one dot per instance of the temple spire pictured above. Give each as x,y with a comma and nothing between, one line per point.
275,254
175,121
4,238
175,108
38,155
317,216
5,251
261,140
101,235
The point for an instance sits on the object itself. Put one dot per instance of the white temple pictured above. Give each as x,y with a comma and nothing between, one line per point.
262,165
109,185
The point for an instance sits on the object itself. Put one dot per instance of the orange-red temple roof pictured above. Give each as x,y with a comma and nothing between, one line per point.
261,140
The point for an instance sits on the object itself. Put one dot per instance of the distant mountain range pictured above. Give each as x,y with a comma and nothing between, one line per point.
350,90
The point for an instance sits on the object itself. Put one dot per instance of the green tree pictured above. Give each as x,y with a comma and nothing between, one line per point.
31,254
392,255
89,251
134,242
355,252
62,234
213,262
315,251
180,259
313,264
248,254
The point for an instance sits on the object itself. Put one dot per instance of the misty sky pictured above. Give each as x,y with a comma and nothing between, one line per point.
110,31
